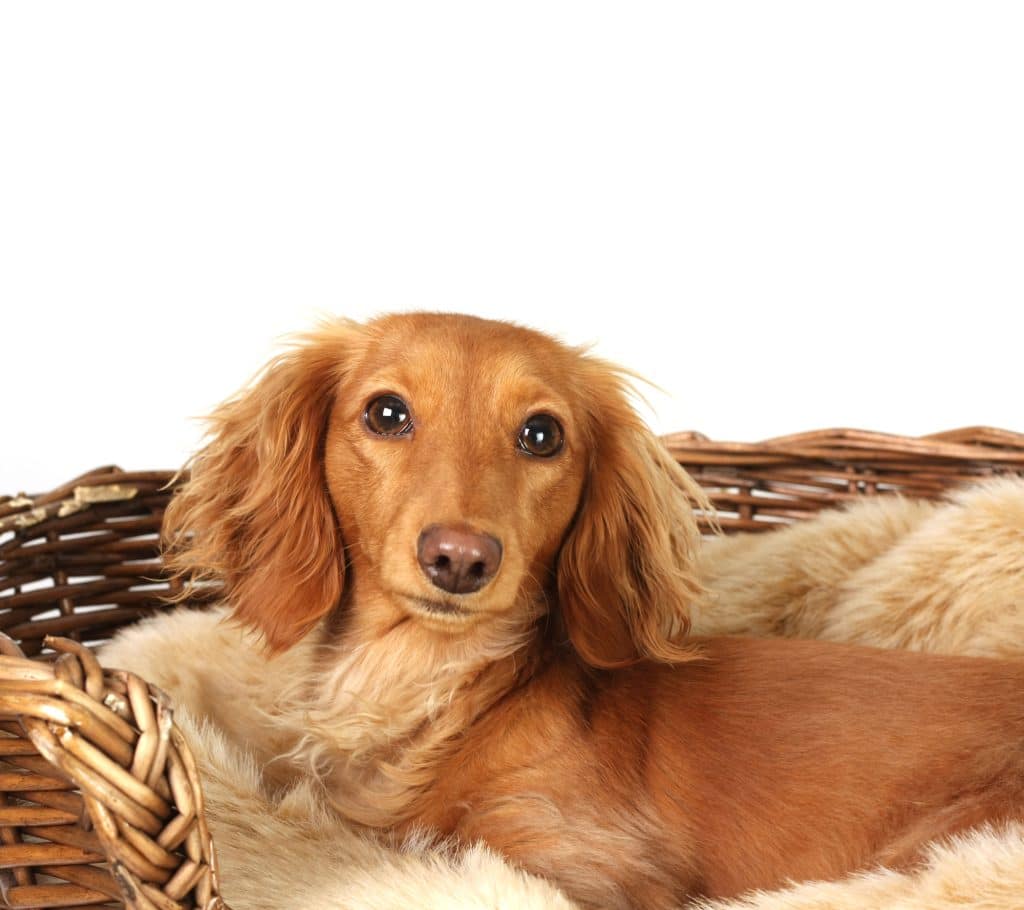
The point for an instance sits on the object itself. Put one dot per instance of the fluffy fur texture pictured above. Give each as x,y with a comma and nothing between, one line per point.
696,767
288,849
944,577
225,693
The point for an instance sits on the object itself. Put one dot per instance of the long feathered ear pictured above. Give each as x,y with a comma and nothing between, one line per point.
626,570
255,513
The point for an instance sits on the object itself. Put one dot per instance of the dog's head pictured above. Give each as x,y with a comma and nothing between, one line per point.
451,467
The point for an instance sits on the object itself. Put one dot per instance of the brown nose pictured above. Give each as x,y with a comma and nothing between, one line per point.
457,560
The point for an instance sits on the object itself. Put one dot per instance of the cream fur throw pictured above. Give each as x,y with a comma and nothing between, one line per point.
885,572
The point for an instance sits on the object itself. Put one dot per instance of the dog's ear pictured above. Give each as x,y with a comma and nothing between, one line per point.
256,514
626,570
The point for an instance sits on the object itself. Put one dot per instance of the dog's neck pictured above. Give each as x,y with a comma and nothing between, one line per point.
392,694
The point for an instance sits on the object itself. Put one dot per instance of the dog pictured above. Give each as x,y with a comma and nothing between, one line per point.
490,563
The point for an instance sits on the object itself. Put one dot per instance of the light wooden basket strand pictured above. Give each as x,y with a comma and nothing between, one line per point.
101,803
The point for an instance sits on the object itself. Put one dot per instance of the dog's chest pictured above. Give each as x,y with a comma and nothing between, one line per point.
523,784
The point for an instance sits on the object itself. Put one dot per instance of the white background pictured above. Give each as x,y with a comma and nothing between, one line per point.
788,215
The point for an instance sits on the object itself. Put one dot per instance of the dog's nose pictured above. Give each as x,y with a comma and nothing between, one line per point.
457,560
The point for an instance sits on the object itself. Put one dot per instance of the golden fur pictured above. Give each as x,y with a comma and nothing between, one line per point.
945,576
560,713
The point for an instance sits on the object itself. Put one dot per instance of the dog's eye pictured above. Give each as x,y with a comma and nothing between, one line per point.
388,416
541,435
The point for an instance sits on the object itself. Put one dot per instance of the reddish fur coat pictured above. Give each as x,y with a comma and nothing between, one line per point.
560,713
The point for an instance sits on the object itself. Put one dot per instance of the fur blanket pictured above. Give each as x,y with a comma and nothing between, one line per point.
942,577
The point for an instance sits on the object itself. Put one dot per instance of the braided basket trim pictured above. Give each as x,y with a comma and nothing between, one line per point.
110,736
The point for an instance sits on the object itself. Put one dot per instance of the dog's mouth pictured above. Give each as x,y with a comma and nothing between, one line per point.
438,609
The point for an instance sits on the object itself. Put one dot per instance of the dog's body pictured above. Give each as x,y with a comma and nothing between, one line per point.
500,562
761,762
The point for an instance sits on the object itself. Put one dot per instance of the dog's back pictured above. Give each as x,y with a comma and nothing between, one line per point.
811,759
764,761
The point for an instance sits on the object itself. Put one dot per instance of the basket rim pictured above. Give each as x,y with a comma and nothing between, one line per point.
974,443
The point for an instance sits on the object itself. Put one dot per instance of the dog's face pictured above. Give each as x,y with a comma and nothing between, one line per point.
455,457
452,468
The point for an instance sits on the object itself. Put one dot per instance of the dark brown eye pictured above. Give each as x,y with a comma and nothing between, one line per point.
388,416
541,435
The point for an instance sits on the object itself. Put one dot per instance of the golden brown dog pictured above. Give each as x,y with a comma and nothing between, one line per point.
502,557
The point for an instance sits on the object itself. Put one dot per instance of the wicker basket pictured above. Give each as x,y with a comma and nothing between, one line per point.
100,804
758,486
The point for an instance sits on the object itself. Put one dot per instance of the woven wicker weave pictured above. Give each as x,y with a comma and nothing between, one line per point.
100,804
757,486
101,798
84,559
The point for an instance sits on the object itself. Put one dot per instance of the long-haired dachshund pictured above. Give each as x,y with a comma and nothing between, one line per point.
495,558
